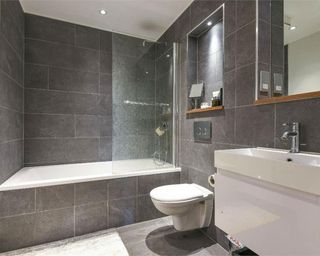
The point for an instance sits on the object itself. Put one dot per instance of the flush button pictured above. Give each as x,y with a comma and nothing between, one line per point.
202,131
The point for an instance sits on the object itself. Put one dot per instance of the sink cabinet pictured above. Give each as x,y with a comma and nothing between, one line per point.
266,213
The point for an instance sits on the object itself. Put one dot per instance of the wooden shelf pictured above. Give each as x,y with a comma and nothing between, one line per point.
202,110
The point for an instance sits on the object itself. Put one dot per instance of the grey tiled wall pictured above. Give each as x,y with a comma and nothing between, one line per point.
11,87
39,215
241,124
68,93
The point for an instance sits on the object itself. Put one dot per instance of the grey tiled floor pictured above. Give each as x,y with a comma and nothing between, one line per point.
155,237
158,237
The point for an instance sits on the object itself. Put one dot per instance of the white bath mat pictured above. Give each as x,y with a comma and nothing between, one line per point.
109,244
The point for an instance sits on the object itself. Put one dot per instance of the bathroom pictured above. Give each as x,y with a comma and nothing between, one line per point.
142,127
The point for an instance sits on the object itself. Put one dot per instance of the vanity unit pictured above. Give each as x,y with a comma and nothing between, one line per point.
269,199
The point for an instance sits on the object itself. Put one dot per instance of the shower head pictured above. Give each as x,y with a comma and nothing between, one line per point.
146,42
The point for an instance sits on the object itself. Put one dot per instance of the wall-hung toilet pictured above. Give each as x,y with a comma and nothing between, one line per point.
190,205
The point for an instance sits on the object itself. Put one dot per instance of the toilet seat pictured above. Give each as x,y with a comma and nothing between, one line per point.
189,205
180,193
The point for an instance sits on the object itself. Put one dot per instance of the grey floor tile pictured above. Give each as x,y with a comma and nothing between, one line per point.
138,232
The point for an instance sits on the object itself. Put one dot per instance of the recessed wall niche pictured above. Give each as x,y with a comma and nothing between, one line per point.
206,57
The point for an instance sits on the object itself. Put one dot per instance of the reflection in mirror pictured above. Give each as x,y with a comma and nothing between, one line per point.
302,45
288,48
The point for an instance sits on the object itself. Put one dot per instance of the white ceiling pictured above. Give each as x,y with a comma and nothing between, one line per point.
147,19
305,15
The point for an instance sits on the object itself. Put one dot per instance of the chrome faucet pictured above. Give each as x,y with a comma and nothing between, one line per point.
294,135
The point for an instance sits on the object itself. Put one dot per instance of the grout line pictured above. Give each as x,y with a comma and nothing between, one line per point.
10,109
12,79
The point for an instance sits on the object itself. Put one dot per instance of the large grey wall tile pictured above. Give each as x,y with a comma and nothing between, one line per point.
183,25
122,188
122,212
10,62
42,28
201,10
148,182
90,218
55,151
13,232
245,85
72,80
15,9
146,209
230,52
229,84
91,192
53,102
105,149
106,126
106,41
264,10
277,12
11,155
87,37
124,45
230,17
246,12
11,124
43,125
264,42
198,177
53,225
11,93
58,55
106,84
54,197
12,30
17,202
36,76
106,62
245,49
296,112
255,126
223,126
32,229
87,126
277,49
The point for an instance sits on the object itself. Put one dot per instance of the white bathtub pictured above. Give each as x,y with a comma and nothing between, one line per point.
41,176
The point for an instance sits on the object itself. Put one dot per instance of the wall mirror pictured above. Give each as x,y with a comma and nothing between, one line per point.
206,59
288,50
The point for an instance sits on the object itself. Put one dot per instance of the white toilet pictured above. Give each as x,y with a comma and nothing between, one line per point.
190,205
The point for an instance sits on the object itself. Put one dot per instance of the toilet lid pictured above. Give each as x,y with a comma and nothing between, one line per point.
178,192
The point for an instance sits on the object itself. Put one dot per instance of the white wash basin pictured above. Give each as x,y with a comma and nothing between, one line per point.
267,203
300,171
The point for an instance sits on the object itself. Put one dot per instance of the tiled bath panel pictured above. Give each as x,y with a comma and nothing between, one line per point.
154,237
40,215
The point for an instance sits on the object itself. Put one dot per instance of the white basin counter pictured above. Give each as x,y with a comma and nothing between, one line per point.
269,200
299,171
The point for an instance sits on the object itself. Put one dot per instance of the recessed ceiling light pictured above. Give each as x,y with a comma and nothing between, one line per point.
168,55
293,27
103,12
209,23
